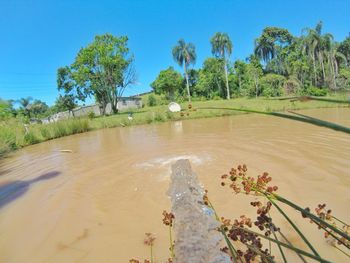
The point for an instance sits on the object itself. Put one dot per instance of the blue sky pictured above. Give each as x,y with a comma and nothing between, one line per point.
37,37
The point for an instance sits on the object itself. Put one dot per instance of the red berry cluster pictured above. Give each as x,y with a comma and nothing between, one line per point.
249,239
168,218
240,180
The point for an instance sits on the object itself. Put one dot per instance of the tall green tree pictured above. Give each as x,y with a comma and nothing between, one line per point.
25,106
221,46
39,108
185,54
312,47
6,109
211,80
240,69
254,74
344,48
103,70
65,103
168,82
271,38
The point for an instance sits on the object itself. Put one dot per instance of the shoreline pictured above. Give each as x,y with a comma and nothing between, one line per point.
17,138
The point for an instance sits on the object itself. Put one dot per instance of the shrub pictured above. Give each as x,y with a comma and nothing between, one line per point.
91,115
315,91
59,130
7,140
272,85
291,86
151,100
169,115
30,138
159,117
45,132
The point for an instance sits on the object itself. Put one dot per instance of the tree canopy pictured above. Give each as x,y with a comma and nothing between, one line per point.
169,82
221,47
103,70
185,54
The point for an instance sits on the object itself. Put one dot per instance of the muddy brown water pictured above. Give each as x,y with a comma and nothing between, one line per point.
95,204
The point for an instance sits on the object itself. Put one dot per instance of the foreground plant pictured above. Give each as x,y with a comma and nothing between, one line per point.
168,221
251,239
148,241
238,180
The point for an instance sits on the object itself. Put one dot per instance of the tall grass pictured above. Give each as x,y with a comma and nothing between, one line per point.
7,140
14,135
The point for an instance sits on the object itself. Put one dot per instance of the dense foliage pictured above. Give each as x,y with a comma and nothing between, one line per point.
185,54
281,64
168,82
103,69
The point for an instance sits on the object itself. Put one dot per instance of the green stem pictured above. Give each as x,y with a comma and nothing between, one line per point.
289,243
313,98
228,242
331,233
297,250
262,255
294,226
342,251
171,244
279,246
152,254
345,224
311,216
231,247
310,120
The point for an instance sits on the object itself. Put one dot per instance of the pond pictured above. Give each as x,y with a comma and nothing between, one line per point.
96,203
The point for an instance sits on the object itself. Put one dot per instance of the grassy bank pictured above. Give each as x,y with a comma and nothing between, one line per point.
13,134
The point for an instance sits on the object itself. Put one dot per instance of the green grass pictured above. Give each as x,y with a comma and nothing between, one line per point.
14,136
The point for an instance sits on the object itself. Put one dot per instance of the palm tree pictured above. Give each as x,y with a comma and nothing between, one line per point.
185,54
334,57
222,47
313,46
264,49
26,105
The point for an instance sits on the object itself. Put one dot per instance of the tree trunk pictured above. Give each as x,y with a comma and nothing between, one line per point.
114,105
239,84
333,73
187,84
102,109
227,87
323,71
314,64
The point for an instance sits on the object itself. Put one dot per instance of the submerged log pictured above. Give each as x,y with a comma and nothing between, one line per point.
196,234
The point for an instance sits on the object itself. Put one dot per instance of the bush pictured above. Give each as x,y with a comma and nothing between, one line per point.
59,130
30,138
45,132
291,86
169,115
159,117
272,85
7,140
315,91
151,100
91,115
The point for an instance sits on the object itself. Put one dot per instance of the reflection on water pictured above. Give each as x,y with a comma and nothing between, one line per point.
112,188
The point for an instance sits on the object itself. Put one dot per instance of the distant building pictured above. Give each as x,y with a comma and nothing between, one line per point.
129,102
124,103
